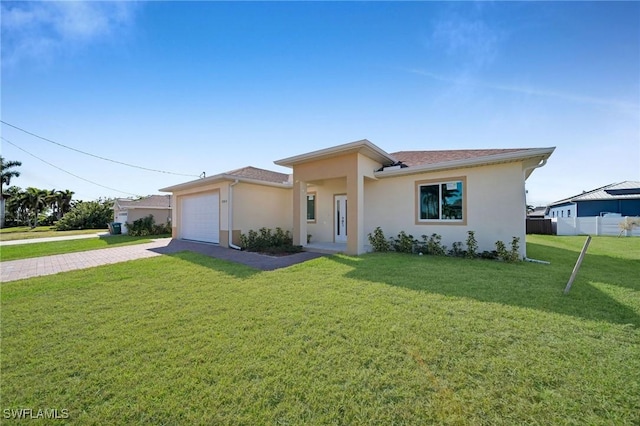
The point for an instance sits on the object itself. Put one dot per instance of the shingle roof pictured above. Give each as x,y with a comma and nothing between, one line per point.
629,189
417,158
259,174
150,202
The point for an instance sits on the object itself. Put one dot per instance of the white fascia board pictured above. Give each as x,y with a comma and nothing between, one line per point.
470,162
221,178
369,148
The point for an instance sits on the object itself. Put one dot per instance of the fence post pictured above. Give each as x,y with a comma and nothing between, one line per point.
578,263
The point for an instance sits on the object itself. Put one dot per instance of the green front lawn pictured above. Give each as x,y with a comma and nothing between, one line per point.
24,232
376,339
23,251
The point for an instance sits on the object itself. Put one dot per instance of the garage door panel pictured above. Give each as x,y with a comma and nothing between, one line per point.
200,218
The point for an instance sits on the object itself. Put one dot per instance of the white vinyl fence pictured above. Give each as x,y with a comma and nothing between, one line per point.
592,226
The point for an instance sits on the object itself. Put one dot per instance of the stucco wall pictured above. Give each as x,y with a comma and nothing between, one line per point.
495,206
257,206
160,216
323,228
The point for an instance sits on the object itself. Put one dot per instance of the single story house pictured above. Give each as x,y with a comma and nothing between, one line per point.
129,210
340,194
616,199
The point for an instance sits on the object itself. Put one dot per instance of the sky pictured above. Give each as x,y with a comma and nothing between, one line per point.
193,87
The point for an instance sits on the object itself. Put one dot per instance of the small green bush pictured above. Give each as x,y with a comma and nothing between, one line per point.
147,226
404,243
267,241
433,245
378,241
472,245
510,256
457,250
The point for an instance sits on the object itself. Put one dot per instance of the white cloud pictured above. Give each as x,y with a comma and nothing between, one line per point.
42,30
528,90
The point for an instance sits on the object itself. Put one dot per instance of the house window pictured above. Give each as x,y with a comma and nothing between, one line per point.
311,207
568,213
441,201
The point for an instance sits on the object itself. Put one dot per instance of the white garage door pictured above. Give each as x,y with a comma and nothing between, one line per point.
200,218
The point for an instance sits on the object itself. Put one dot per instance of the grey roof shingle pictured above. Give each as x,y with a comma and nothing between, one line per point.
152,202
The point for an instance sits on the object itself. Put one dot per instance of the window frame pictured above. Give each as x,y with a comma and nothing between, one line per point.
315,207
429,182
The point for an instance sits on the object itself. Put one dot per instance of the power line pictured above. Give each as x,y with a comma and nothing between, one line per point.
93,155
63,170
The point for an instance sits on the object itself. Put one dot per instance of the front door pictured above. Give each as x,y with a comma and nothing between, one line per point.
340,219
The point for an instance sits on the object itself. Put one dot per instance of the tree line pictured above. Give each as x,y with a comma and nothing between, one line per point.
34,206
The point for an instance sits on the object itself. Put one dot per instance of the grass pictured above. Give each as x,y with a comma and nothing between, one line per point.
24,251
377,339
24,232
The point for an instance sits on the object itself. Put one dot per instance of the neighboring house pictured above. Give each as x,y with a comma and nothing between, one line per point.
128,210
340,194
537,213
616,199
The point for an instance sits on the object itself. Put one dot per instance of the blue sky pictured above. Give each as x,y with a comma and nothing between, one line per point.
189,87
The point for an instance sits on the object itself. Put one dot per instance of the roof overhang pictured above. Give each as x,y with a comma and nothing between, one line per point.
541,153
363,147
222,178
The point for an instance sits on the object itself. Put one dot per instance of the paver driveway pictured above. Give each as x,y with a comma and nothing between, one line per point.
47,265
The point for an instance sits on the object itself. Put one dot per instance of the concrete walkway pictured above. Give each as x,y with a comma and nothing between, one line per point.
49,239
48,265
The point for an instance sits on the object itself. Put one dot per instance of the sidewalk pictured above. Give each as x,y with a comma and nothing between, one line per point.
49,239
48,265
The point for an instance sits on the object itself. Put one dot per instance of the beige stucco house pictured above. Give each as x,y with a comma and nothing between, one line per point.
340,194
127,210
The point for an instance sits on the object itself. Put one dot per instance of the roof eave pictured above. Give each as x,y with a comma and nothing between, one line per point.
362,146
221,178
542,153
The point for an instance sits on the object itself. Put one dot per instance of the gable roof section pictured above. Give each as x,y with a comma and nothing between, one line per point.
246,174
417,162
627,190
363,146
255,173
150,202
419,158
426,161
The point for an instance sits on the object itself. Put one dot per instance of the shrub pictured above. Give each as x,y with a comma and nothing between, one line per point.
492,255
267,241
434,245
147,226
457,250
512,255
378,241
87,215
404,243
472,245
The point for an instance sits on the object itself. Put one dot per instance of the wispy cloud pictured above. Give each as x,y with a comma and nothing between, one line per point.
469,40
532,91
42,30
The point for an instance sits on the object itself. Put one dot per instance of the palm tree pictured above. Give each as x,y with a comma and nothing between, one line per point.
35,200
51,200
7,173
64,202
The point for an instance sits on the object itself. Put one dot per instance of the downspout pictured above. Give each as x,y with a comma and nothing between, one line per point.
541,164
230,215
